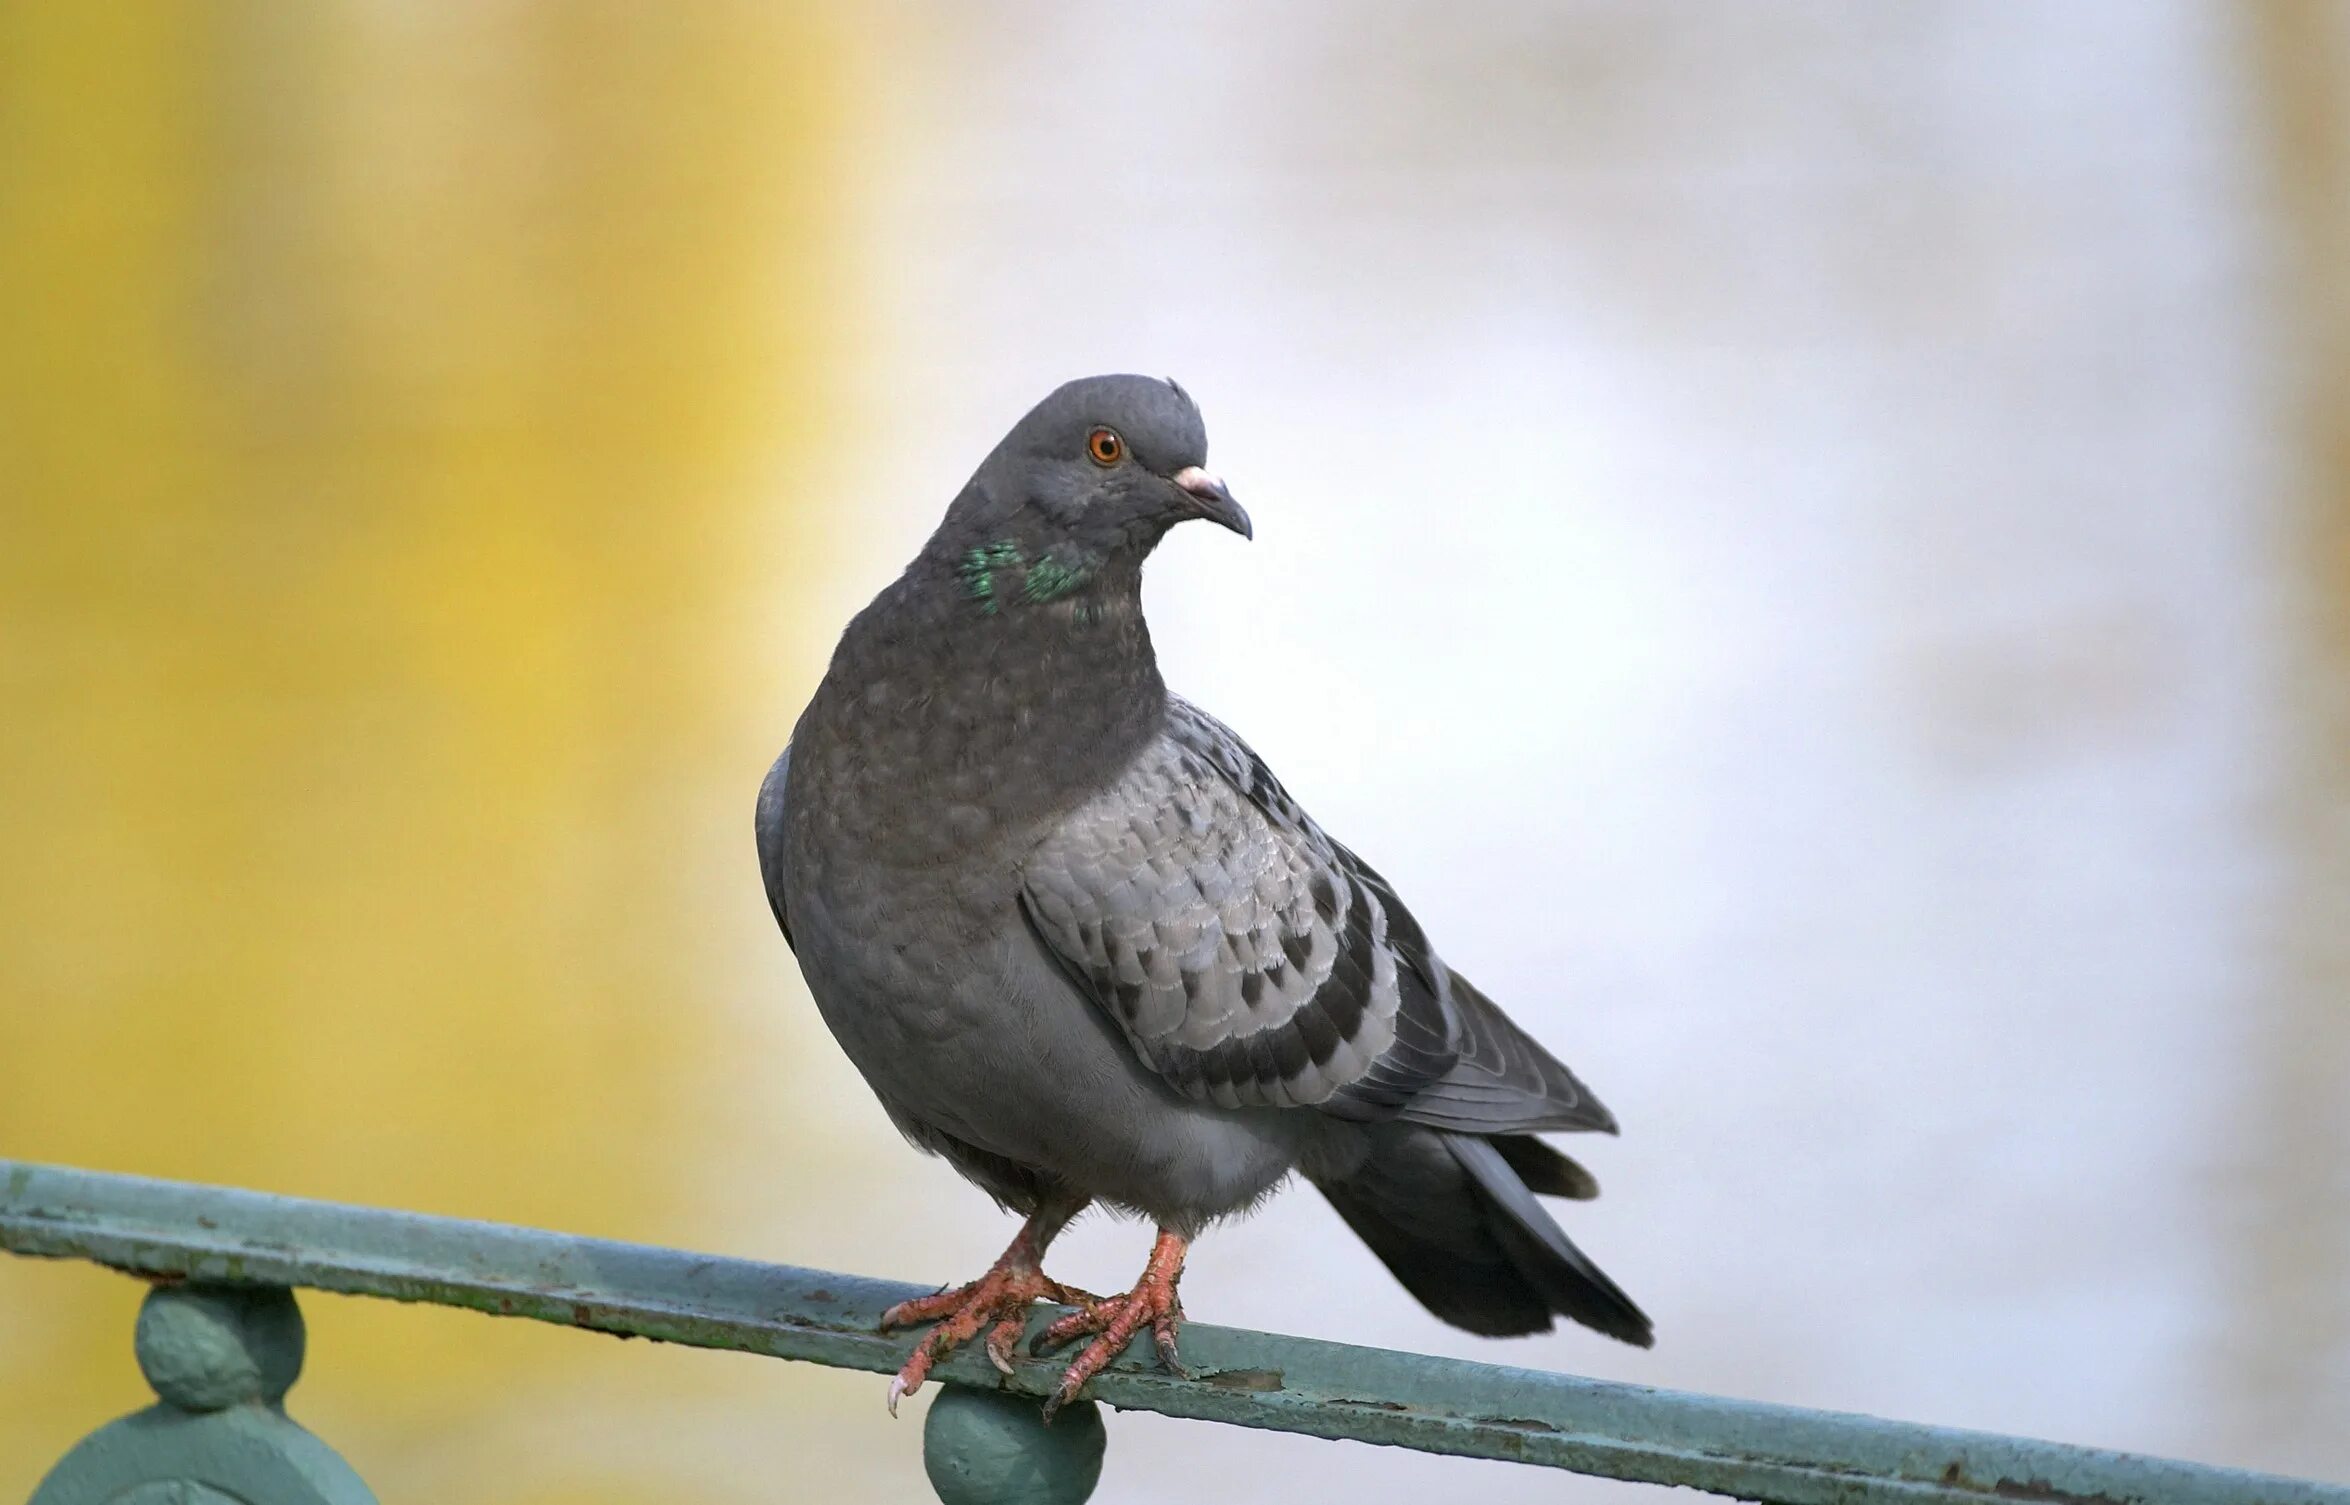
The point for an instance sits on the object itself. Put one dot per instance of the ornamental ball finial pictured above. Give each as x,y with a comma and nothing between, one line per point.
990,1447
206,1348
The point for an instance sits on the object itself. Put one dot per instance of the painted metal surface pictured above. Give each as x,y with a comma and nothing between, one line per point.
1743,1448
221,1359
985,1447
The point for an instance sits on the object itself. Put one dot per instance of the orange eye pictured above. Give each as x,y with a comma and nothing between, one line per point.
1105,446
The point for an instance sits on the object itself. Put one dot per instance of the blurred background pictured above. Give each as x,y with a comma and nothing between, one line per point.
1814,544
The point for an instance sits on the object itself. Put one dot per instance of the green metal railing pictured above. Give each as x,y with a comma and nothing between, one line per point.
220,1340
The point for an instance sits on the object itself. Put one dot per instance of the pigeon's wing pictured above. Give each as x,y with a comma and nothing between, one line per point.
1254,962
769,827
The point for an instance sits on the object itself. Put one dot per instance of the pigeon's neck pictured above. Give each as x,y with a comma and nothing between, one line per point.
1038,585
997,682
1050,643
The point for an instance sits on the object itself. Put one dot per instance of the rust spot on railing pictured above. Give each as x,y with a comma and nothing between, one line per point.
2038,1491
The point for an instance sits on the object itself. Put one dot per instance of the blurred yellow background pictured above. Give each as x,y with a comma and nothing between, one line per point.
391,402
439,443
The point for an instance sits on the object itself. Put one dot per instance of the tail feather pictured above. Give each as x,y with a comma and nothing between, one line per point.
1541,1252
1453,1217
1545,1171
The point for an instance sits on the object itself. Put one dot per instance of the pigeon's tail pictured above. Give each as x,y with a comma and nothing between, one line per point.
1453,1217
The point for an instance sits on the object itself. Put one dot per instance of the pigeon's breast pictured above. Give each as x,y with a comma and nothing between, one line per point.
953,1014
917,790
941,736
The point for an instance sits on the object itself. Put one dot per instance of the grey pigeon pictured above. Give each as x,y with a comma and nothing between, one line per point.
1082,943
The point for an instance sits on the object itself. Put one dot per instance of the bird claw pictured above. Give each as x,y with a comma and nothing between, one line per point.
921,1309
1000,1339
998,1303
1163,1330
1152,1304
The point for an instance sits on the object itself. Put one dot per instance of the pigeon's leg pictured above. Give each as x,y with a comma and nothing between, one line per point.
1152,1303
998,1301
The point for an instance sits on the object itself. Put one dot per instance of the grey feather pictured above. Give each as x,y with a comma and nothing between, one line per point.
768,828
1545,1171
1449,1217
1541,1251
1254,962
1082,943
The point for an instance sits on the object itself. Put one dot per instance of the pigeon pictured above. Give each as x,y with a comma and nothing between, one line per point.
1084,945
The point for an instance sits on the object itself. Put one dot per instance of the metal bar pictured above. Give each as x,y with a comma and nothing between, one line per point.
1749,1449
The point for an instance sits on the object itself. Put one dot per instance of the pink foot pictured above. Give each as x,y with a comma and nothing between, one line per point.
998,1301
1115,1320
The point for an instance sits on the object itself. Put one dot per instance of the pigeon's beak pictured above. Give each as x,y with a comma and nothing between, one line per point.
1211,501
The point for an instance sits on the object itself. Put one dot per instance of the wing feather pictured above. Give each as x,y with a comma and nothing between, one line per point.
1254,962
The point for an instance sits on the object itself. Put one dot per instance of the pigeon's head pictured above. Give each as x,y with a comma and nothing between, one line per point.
1102,468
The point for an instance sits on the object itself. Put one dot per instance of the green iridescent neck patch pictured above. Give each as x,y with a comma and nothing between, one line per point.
1048,579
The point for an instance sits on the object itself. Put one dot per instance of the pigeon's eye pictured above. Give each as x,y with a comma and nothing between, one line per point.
1105,446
